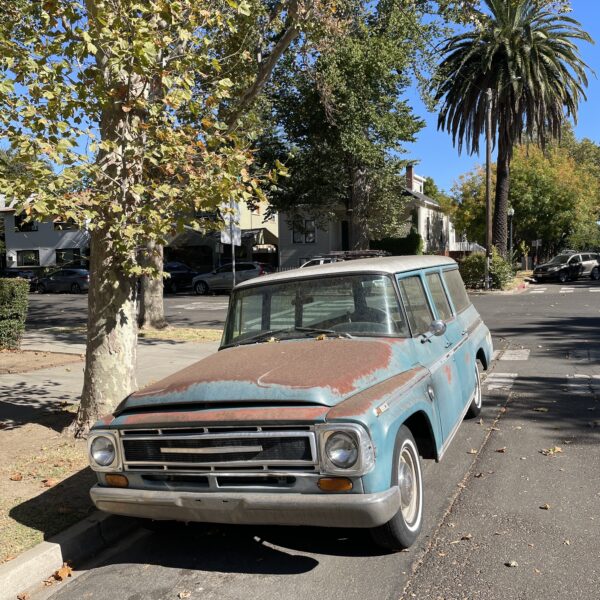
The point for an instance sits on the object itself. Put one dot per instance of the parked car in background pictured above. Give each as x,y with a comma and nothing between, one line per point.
376,364
65,280
180,277
339,255
566,267
30,276
221,279
318,260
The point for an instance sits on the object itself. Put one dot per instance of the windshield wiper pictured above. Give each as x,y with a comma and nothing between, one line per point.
273,332
319,330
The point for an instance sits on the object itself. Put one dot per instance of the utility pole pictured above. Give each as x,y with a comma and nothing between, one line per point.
231,233
488,186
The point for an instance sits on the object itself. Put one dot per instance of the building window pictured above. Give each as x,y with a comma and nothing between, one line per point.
28,258
65,225
65,256
22,225
304,231
428,228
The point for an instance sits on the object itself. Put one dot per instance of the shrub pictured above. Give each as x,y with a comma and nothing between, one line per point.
472,269
14,298
411,244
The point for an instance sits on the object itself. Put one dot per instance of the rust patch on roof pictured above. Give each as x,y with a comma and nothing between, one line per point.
259,415
364,401
333,363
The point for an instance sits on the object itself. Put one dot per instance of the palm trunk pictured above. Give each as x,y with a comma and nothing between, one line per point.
359,203
111,336
152,307
501,201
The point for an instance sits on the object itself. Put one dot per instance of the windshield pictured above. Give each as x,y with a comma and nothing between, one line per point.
559,260
362,305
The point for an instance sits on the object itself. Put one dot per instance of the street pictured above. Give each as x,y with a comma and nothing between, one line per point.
183,310
511,511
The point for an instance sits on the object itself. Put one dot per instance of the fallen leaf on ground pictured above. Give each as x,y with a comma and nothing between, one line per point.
472,451
512,563
551,451
50,482
502,450
16,477
567,542
184,594
539,409
517,427
478,475
537,571
23,596
64,572
545,506
481,421
467,537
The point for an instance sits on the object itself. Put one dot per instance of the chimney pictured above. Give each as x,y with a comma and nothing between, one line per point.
410,177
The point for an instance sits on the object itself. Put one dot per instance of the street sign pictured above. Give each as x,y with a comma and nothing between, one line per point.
231,230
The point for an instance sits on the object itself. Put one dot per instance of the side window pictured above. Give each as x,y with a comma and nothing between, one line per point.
245,267
225,269
434,281
575,260
456,289
415,301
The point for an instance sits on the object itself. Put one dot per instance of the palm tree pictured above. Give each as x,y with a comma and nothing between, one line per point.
527,56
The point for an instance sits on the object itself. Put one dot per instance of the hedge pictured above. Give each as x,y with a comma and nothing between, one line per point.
472,270
14,299
411,244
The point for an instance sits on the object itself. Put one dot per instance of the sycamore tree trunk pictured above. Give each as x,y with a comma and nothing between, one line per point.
111,336
359,205
152,309
501,202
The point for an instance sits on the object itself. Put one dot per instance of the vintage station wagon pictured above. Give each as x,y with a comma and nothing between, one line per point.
331,382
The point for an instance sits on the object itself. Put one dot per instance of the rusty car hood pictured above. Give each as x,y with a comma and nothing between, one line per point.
293,372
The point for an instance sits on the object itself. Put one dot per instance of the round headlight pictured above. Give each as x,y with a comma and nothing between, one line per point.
103,451
341,450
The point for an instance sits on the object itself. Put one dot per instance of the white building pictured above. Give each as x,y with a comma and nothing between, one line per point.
40,243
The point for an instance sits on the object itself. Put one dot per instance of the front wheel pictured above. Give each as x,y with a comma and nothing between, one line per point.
475,407
201,288
595,274
403,528
562,277
75,288
41,288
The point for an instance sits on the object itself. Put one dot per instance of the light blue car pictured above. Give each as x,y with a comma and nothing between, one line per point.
330,385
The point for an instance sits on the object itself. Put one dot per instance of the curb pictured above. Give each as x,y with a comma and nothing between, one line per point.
77,543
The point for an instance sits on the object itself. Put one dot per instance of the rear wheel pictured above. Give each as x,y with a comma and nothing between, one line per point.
475,407
201,288
75,288
403,528
41,288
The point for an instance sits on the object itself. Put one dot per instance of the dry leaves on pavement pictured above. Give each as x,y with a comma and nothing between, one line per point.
16,477
551,451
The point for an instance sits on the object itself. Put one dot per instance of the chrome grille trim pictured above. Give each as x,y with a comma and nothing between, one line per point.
220,463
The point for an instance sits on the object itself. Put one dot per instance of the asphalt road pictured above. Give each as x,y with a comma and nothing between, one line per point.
495,500
60,310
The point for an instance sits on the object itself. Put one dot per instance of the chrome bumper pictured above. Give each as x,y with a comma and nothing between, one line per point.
321,510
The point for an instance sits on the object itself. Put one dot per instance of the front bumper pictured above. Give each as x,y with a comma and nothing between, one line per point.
546,275
320,510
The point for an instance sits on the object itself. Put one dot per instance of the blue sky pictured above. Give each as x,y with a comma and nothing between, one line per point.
433,152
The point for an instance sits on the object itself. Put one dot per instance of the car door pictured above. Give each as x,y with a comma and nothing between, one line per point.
222,278
432,352
587,263
54,281
575,266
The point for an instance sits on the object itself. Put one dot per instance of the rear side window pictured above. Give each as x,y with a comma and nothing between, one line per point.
438,294
456,289
415,301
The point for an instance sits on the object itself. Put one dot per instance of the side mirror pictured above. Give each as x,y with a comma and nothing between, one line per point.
438,328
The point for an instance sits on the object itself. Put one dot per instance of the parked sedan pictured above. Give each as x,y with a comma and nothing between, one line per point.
221,279
65,280
565,267
180,277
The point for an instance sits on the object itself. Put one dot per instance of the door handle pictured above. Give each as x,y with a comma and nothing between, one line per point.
463,332
447,344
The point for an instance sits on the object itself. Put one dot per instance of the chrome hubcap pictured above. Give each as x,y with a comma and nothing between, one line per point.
407,482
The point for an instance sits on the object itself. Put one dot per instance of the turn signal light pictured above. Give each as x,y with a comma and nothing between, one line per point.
335,484
117,480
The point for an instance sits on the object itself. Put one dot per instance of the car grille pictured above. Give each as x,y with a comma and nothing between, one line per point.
194,450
